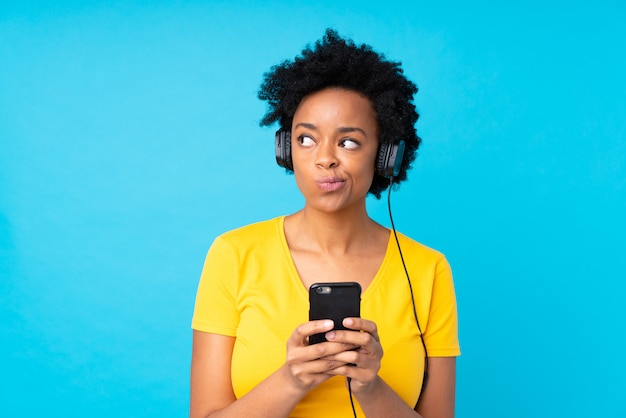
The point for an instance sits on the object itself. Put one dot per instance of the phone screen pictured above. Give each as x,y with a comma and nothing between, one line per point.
334,301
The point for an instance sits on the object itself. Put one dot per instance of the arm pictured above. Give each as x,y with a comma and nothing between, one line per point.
437,401
211,389
439,395
211,386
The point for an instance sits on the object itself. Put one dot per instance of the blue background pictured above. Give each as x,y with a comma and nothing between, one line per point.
129,139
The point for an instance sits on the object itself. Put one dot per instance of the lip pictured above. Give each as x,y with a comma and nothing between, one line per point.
330,184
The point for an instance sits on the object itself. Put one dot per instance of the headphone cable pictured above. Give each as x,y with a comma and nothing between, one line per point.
349,380
406,271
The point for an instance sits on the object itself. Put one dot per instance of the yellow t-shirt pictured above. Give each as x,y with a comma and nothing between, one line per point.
250,289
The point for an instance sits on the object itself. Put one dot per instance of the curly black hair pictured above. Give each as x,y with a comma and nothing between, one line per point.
338,62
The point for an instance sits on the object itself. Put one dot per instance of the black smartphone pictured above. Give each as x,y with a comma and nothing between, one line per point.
334,301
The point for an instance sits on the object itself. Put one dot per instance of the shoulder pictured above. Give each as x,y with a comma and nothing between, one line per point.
415,248
257,241
420,258
253,234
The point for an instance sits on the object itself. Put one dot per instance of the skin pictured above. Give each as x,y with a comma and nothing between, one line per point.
334,145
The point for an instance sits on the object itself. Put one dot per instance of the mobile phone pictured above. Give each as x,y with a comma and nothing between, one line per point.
334,301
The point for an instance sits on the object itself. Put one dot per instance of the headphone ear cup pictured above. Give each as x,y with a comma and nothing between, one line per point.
389,159
381,158
283,149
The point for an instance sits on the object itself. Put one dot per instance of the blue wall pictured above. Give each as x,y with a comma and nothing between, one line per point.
129,138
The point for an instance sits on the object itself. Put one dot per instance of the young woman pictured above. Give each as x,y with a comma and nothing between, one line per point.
343,106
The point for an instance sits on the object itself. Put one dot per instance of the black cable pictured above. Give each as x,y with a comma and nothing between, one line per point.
417,322
406,271
349,380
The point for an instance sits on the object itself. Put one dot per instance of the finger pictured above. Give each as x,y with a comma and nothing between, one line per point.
313,363
354,339
316,358
345,358
304,331
361,369
360,324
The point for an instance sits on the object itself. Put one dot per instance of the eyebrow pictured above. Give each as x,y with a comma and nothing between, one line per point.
343,129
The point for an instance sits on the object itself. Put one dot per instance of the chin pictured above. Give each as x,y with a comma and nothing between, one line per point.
330,206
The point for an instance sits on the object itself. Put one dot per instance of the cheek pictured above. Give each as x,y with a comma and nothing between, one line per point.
366,175
299,175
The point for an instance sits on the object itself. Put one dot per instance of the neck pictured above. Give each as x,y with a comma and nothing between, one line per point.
332,233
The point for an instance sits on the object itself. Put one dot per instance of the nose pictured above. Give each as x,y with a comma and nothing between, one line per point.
325,156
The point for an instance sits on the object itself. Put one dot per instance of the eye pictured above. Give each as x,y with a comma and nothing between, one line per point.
305,140
349,144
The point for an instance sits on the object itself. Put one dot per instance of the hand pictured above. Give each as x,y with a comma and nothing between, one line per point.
309,365
366,359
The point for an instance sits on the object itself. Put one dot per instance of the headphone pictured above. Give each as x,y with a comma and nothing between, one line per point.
388,160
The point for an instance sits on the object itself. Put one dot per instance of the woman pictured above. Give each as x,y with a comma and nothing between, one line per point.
341,104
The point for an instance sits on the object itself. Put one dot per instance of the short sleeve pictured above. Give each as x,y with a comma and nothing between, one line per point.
441,334
216,302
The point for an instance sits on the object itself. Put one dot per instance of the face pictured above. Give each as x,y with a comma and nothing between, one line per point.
334,146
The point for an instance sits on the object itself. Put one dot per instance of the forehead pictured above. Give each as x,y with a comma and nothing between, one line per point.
336,104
